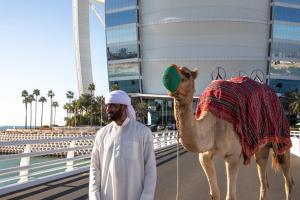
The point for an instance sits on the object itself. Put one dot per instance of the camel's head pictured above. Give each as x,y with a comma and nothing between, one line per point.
180,82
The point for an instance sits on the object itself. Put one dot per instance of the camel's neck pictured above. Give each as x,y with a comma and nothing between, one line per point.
192,132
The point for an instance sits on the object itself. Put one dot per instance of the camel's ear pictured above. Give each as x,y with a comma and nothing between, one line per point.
194,73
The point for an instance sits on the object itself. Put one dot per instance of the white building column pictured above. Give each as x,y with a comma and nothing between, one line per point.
82,44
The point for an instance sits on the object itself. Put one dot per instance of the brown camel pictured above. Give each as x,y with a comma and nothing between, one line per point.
209,135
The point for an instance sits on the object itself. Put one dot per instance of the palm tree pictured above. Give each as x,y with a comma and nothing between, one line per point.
25,101
100,109
115,86
55,105
67,107
91,88
70,96
30,100
294,104
36,92
42,100
141,109
74,103
81,106
51,95
102,106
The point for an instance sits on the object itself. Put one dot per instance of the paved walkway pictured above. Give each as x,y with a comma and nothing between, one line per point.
194,186
193,183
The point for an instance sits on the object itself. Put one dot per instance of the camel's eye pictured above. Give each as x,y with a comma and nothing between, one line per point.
186,76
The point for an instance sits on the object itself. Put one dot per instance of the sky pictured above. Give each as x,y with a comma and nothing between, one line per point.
37,52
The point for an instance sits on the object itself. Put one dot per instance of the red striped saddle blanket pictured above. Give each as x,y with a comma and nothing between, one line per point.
254,110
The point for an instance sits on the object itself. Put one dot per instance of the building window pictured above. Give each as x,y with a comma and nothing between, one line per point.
119,34
283,85
120,18
117,4
286,14
126,85
123,69
289,1
285,50
122,51
286,32
285,68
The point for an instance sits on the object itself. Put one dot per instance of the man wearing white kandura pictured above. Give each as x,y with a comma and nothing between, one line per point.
123,165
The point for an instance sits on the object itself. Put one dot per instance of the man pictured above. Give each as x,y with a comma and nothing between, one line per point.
123,165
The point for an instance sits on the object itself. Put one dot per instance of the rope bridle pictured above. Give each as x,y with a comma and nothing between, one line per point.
177,169
178,124
177,152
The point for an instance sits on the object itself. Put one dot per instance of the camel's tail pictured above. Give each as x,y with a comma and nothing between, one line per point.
277,160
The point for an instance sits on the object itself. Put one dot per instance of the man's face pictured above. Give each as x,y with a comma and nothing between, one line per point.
114,111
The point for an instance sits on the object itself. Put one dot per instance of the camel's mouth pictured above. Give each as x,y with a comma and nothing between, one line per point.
174,78
174,75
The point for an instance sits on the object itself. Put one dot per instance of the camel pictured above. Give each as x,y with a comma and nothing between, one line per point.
209,135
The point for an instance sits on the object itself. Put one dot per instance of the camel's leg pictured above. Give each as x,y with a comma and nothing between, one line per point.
208,165
261,157
232,169
285,165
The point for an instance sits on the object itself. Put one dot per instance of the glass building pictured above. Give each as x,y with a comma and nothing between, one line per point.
122,38
285,46
144,37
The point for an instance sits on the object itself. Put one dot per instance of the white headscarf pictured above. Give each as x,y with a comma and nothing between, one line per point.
121,97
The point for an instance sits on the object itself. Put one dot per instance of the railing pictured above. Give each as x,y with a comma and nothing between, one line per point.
295,133
77,160
295,137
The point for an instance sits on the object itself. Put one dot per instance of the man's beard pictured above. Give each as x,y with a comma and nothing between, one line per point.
114,116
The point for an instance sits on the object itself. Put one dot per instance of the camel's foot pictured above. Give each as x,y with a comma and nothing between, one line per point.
263,194
289,189
230,198
214,197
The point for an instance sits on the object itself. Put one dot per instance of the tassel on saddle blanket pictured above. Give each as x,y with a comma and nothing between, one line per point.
254,110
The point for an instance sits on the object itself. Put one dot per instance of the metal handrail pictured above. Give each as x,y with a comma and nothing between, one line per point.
37,173
161,140
40,153
43,164
295,133
50,140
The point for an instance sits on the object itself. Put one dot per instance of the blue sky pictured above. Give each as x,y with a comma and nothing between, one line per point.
37,52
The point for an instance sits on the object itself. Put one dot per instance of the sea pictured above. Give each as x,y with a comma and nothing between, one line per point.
3,128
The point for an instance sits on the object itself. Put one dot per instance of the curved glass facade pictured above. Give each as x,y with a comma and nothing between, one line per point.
285,46
122,44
